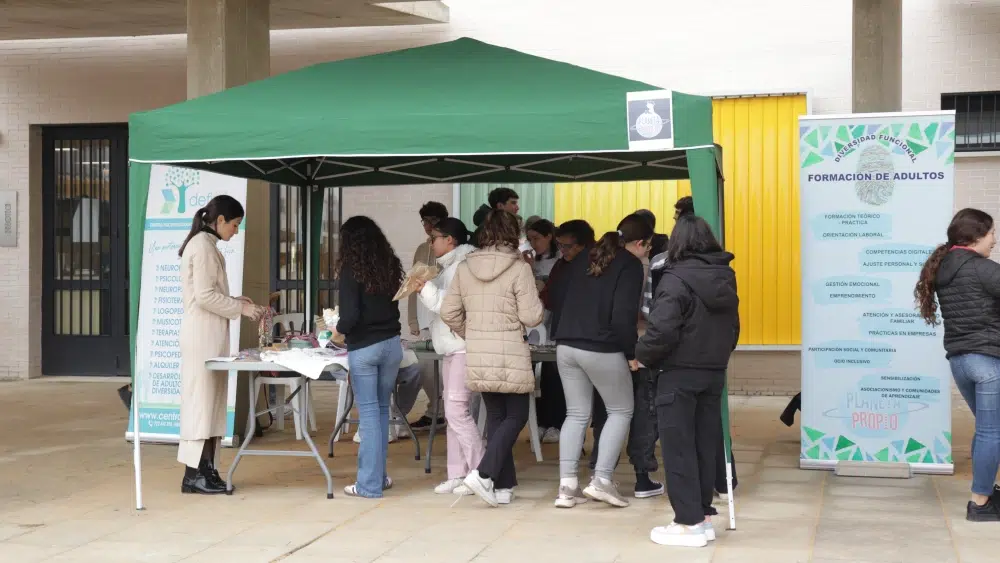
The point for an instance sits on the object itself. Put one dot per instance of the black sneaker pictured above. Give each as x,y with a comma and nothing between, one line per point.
646,487
989,512
424,423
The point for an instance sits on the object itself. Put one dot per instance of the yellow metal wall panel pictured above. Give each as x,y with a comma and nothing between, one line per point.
759,138
760,164
604,204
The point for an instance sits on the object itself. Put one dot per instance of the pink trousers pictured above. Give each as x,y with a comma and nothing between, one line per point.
465,445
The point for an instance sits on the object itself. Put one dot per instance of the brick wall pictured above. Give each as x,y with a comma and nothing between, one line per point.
764,46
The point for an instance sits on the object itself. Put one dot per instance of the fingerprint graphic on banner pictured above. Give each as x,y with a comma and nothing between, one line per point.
875,162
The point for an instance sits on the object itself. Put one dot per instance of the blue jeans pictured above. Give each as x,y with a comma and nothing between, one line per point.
978,379
373,371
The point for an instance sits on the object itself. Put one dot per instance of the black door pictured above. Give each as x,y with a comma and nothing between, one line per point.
288,268
85,250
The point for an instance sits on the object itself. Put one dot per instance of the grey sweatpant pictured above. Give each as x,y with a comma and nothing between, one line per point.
581,372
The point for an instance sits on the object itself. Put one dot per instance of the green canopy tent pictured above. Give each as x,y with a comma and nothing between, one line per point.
452,112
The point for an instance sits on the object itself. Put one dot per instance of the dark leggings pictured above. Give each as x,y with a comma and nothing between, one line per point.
551,406
506,415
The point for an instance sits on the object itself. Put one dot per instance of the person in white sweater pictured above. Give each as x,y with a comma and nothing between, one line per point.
449,242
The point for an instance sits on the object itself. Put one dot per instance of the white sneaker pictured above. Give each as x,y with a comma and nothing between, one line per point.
481,487
505,496
679,535
463,491
392,436
448,487
551,436
709,529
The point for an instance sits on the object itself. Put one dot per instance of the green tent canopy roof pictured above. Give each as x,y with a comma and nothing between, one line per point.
456,111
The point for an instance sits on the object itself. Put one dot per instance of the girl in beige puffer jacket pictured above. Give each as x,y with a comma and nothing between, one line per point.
492,298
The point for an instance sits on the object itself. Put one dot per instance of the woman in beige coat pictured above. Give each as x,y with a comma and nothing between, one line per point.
492,298
208,310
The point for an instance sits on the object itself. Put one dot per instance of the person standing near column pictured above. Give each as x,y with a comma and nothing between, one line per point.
368,274
692,329
492,299
208,310
449,242
419,317
596,334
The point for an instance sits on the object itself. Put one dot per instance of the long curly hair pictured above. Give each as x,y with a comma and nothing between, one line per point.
366,251
966,228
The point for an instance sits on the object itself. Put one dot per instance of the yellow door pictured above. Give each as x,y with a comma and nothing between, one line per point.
759,138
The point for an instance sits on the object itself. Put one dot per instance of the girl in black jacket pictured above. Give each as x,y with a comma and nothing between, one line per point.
967,284
596,330
691,330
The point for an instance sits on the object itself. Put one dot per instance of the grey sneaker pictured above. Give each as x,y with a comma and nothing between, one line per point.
605,491
568,498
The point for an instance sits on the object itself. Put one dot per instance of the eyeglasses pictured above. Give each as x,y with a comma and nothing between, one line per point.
430,221
566,246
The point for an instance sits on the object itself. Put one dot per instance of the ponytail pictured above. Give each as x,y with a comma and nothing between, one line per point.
632,228
197,226
927,286
224,206
604,252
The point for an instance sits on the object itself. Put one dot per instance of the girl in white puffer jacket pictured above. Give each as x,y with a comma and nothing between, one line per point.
449,242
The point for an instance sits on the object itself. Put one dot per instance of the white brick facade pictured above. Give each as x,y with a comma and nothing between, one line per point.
715,47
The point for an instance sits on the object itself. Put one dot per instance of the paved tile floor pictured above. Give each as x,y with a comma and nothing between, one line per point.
66,494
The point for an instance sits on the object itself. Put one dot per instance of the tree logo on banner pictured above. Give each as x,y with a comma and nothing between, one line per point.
174,194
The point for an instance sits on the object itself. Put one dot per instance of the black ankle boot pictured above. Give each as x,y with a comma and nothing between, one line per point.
196,482
207,468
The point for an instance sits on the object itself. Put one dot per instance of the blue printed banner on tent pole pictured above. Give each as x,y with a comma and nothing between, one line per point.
876,198
174,196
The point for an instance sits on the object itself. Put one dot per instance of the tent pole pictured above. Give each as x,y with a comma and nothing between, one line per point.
307,252
136,457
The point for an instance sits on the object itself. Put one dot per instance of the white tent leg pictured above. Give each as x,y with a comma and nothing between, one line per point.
136,456
729,485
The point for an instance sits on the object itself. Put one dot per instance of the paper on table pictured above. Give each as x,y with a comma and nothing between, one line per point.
310,362
224,359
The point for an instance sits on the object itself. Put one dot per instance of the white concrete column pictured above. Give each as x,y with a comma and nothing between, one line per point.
228,44
877,62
